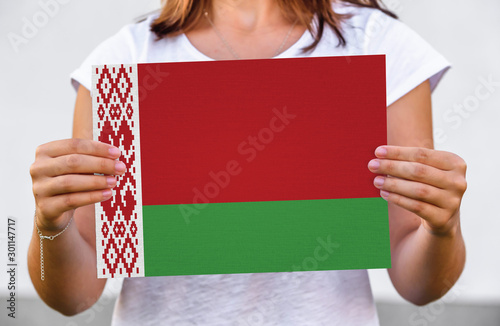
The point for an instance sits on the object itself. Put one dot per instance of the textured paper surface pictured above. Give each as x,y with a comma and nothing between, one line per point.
119,233
243,166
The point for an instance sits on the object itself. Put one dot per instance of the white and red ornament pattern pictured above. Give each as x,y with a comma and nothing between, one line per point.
119,236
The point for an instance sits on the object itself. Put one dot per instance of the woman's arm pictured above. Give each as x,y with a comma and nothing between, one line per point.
64,184
424,194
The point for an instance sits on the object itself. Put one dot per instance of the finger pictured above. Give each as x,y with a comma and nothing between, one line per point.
414,190
78,146
76,183
77,163
57,205
410,171
426,211
438,159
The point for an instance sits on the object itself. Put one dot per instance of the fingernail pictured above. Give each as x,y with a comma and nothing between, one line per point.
111,181
114,152
107,193
374,164
381,151
384,194
379,181
120,167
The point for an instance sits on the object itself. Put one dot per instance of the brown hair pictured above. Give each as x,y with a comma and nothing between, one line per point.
179,16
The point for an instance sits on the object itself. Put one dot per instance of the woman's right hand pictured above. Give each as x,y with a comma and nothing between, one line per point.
63,177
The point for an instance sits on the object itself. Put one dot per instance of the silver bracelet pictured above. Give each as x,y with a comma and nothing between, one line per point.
48,237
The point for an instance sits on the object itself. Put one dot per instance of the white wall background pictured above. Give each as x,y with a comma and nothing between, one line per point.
36,103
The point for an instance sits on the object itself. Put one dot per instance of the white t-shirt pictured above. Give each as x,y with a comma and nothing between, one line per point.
295,298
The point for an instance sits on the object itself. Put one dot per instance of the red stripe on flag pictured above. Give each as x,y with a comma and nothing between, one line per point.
260,130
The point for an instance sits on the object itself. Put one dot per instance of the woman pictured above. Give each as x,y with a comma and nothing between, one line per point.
424,191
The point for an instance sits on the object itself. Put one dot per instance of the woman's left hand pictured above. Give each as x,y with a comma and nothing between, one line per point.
427,182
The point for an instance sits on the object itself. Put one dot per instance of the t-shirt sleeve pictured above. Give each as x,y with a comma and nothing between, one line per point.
118,49
410,60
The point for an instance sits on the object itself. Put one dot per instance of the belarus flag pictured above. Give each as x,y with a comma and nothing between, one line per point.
242,166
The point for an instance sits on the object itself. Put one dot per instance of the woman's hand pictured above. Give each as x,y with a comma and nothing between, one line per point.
63,177
427,182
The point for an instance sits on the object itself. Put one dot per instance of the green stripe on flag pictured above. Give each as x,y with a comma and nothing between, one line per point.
268,236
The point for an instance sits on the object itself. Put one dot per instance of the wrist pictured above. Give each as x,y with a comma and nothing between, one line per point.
449,230
51,228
